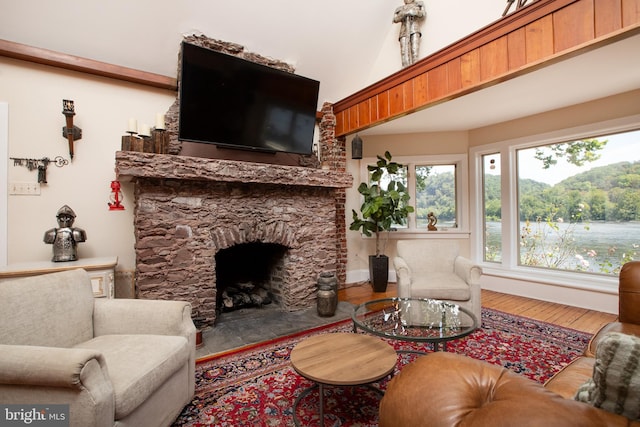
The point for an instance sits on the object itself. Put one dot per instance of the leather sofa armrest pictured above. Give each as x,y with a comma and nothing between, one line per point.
628,307
629,293
567,381
403,277
623,328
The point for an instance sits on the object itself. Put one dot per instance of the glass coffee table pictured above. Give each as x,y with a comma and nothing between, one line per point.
430,321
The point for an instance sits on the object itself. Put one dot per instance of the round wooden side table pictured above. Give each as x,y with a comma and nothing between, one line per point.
341,359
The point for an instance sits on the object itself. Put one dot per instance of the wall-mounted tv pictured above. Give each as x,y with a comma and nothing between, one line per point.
235,103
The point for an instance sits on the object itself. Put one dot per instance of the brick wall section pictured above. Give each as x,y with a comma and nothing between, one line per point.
333,156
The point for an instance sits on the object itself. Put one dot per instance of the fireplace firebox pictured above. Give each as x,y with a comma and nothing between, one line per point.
249,275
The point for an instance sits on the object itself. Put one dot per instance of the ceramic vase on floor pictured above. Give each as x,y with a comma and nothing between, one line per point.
327,294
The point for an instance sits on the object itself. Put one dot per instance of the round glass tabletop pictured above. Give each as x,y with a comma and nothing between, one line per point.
412,319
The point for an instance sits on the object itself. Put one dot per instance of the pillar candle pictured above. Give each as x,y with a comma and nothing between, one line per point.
133,126
144,130
160,121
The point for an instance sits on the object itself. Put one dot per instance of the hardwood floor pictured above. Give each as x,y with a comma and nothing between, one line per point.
571,317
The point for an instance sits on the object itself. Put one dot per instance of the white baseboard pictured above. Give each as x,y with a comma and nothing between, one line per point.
591,299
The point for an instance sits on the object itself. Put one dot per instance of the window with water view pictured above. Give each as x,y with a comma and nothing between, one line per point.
578,204
436,192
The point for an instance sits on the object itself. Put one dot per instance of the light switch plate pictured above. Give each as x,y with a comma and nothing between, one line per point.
24,188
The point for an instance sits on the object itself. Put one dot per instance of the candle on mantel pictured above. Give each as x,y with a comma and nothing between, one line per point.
144,130
133,126
160,121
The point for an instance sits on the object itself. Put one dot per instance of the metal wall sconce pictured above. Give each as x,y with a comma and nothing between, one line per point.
356,147
70,132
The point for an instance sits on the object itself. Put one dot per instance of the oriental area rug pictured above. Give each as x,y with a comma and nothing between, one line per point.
256,385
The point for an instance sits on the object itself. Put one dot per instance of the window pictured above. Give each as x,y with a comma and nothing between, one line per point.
436,193
492,203
436,184
568,205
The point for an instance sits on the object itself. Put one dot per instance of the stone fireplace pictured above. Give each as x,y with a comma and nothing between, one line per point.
188,209
197,203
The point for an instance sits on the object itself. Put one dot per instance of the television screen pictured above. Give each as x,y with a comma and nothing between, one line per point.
232,102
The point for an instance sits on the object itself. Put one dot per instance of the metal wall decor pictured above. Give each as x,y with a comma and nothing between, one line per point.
70,132
40,165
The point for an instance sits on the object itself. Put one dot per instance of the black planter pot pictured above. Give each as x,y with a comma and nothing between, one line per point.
379,272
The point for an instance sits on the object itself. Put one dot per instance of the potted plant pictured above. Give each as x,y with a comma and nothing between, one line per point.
383,207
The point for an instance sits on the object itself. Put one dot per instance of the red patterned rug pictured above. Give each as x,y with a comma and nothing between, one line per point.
256,386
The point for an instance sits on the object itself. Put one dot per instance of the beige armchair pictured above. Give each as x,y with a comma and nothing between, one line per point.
115,362
429,268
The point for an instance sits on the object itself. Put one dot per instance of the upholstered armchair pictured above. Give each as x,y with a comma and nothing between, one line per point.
429,268
115,362
628,321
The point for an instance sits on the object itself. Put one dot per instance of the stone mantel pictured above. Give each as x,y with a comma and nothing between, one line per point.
132,165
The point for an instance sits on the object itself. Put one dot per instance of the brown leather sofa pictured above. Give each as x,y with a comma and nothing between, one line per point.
445,389
628,306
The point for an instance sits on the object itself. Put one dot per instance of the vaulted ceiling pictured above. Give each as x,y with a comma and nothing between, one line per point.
338,42
333,41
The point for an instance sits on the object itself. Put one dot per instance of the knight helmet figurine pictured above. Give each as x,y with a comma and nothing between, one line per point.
65,238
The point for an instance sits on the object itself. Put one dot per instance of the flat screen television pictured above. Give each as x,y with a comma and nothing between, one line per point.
235,103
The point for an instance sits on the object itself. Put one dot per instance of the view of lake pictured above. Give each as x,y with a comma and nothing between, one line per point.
608,241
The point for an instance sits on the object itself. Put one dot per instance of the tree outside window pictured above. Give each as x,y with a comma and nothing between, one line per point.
436,192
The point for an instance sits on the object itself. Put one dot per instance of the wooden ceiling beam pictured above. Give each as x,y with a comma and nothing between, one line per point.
75,63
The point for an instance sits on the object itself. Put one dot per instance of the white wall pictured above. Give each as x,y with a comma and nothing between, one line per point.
103,106
4,161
